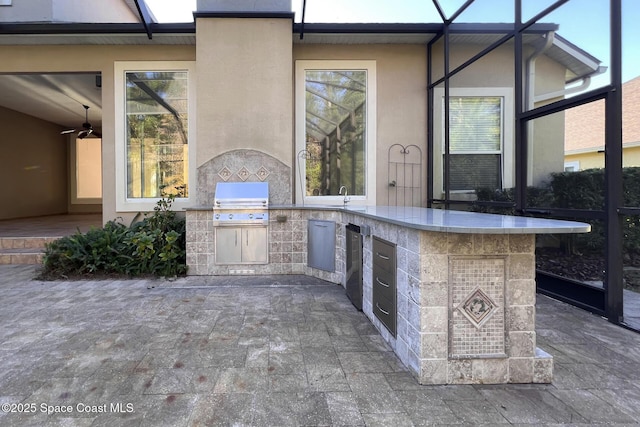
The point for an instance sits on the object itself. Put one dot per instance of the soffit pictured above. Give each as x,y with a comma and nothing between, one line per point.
97,39
336,38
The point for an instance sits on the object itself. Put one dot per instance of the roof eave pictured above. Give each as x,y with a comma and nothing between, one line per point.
46,28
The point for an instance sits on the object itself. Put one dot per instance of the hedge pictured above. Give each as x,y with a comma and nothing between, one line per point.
577,190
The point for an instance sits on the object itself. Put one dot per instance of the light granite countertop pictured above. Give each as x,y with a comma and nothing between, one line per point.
449,220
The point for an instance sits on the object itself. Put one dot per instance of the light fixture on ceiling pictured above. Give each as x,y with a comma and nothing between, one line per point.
86,130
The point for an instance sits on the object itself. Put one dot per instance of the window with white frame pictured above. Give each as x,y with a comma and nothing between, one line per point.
572,166
480,138
335,131
155,133
87,179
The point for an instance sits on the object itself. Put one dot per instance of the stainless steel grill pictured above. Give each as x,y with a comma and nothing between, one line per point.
241,203
241,219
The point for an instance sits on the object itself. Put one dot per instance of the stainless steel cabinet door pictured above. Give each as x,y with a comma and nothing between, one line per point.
228,245
254,245
321,244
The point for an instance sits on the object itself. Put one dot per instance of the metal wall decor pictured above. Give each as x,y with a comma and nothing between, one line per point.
405,175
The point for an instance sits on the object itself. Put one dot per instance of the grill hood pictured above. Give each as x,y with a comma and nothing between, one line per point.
241,195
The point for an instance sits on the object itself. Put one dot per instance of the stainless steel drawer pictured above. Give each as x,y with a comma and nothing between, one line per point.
385,310
384,254
384,284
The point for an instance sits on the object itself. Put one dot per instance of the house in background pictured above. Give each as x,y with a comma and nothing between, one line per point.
240,95
584,131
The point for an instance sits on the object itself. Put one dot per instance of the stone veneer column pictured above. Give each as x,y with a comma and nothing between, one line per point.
477,311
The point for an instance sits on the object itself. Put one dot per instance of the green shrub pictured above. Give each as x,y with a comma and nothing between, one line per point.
580,190
153,246
536,196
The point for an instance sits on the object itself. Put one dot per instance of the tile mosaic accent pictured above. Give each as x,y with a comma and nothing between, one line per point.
245,165
225,173
262,173
243,174
477,323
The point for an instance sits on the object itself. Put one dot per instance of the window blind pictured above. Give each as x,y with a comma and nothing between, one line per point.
475,124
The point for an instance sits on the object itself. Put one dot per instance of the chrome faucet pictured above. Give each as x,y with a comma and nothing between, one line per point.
346,192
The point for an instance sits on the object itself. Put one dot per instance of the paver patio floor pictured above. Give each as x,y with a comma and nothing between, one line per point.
271,351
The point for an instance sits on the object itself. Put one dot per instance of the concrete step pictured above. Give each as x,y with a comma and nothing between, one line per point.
23,250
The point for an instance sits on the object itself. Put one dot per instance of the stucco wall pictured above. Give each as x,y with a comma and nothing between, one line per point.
93,59
67,11
401,97
245,81
245,98
33,168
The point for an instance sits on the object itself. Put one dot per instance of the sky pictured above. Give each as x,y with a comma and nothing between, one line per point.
583,22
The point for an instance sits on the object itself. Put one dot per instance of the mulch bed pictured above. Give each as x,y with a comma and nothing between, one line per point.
585,267
575,266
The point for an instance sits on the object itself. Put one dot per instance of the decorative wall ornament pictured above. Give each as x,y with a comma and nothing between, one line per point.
243,173
244,165
478,308
262,173
225,173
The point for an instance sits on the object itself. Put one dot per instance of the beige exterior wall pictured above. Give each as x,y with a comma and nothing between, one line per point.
244,5
245,80
95,11
46,59
34,166
401,97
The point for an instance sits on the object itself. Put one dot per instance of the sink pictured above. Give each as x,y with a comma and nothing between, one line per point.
356,208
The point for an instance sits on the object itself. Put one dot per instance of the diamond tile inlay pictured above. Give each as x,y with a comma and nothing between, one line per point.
225,173
243,173
478,308
262,173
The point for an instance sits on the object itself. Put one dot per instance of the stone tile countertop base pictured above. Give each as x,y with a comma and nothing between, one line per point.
465,283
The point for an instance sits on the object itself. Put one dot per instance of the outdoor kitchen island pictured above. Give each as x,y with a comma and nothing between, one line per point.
464,297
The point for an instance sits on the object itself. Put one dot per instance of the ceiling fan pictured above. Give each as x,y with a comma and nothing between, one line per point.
86,130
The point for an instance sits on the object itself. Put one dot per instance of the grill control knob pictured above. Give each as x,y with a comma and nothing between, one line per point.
217,216
250,216
230,216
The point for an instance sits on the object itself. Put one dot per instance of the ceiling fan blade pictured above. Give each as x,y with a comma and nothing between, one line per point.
68,131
